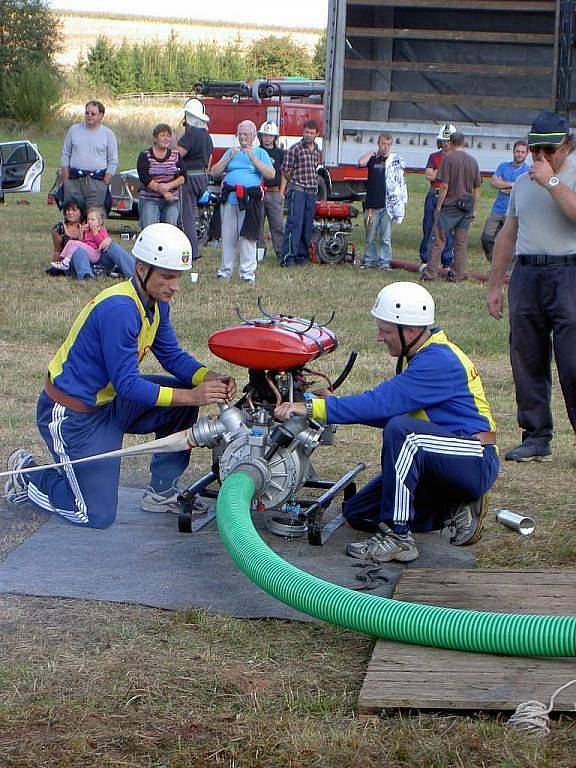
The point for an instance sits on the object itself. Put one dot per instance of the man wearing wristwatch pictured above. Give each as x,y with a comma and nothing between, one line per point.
540,230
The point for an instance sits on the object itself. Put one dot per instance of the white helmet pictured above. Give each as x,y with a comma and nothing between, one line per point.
445,132
195,108
404,304
165,246
269,128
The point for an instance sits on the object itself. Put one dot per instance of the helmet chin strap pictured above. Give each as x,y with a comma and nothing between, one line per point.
406,347
144,283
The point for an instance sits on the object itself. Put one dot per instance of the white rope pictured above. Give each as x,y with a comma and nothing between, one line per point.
532,716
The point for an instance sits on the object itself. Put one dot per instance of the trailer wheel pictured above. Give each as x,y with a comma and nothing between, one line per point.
322,189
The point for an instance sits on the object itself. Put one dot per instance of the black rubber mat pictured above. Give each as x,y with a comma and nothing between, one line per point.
144,559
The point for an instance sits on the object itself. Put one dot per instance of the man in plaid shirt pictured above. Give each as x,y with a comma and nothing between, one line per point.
299,175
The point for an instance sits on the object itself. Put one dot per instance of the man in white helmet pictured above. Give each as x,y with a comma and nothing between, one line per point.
195,150
432,167
94,393
439,455
273,198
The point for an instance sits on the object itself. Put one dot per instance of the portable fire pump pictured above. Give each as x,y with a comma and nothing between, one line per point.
332,227
277,351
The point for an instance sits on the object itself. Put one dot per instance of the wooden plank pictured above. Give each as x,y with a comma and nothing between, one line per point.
452,98
516,6
401,675
453,35
488,70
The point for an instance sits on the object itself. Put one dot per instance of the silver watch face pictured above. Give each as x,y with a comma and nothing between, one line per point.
553,181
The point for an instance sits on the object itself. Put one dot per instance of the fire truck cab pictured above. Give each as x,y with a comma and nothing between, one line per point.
289,103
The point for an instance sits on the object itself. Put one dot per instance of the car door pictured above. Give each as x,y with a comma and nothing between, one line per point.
21,167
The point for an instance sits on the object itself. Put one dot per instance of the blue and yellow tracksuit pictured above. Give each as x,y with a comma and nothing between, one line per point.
431,413
98,365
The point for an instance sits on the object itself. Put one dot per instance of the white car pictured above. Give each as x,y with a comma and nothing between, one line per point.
21,166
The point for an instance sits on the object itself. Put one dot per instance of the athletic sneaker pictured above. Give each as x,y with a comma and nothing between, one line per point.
167,501
467,521
61,266
385,546
529,451
16,487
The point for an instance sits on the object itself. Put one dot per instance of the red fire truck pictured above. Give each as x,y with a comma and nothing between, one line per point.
288,103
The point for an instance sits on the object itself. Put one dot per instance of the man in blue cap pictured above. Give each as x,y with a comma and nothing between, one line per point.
540,231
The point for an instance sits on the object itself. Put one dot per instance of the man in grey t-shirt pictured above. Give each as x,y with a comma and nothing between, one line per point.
458,194
89,158
540,230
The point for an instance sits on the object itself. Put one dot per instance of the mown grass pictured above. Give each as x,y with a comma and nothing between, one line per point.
86,684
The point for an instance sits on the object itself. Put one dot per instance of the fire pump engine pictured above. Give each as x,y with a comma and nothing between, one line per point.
277,350
288,103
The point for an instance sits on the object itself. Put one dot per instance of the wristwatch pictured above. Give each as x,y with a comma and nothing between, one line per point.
552,182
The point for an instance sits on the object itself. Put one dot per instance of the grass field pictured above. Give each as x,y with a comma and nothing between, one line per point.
92,684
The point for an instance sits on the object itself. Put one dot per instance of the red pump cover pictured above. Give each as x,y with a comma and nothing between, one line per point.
275,345
332,209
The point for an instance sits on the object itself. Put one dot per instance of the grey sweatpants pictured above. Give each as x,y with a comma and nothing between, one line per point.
192,191
232,220
273,211
92,191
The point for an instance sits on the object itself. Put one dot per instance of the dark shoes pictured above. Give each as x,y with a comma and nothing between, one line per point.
528,451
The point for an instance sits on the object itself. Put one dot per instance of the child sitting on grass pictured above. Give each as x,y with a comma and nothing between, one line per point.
94,234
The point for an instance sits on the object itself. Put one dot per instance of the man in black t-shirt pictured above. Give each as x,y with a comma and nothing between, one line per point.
273,198
195,150
385,201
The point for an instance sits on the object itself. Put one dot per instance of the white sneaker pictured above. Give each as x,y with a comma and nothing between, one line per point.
166,501
385,546
60,265
467,521
16,487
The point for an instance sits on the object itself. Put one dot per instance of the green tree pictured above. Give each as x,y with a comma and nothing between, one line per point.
29,30
273,56
99,61
29,37
319,57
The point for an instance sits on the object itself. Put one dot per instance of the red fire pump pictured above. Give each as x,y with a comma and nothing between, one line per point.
332,227
276,350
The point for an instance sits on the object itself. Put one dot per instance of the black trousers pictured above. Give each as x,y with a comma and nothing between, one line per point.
542,305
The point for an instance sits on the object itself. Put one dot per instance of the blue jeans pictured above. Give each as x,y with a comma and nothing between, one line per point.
298,230
381,227
113,256
427,232
153,211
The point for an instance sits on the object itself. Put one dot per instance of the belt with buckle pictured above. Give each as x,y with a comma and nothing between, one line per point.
73,403
545,259
272,189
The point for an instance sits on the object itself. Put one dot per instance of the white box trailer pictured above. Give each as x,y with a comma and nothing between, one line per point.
408,67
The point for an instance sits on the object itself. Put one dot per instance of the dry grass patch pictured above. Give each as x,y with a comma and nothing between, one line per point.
86,684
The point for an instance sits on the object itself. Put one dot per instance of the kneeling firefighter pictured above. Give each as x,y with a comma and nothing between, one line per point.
439,454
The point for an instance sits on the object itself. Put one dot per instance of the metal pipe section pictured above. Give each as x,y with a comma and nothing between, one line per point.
483,632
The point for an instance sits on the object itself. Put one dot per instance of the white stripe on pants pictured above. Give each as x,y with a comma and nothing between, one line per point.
232,219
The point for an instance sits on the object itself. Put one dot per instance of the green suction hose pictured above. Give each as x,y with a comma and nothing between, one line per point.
514,635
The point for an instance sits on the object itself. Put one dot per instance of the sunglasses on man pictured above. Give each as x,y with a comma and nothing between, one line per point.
547,149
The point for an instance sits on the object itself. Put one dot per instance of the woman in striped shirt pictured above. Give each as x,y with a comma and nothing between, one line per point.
161,177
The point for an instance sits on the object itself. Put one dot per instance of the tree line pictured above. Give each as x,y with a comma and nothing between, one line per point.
31,83
177,66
